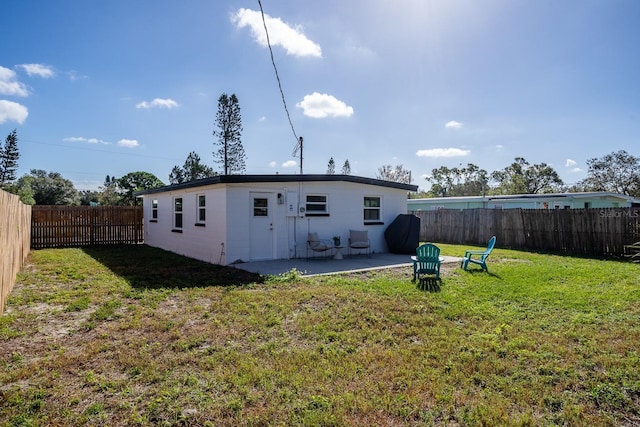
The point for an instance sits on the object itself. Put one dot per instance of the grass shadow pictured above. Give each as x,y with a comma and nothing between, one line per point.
430,284
145,267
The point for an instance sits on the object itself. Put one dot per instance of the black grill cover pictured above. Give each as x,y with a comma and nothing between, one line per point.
403,234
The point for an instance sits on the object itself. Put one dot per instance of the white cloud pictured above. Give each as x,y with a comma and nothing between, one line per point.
319,106
453,124
87,140
129,143
570,163
576,170
12,111
442,152
499,147
158,103
262,119
290,164
273,164
73,76
39,70
280,34
9,85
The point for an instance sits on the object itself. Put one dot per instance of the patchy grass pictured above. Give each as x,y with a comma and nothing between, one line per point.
139,336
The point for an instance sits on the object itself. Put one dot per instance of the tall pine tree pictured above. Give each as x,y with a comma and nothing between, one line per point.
346,168
9,156
331,167
229,122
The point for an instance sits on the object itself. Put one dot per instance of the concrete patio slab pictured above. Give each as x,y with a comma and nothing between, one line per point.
312,267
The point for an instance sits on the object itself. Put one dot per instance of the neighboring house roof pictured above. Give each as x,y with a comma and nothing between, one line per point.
580,195
236,179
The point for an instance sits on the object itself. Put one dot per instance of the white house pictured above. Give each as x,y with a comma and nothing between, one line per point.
230,218
588,200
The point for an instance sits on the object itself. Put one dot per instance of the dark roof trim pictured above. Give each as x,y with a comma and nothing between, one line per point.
241,179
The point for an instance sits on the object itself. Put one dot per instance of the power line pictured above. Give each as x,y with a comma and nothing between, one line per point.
72,147
284,102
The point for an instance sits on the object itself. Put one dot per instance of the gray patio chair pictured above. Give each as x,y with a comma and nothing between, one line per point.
318,245
359,241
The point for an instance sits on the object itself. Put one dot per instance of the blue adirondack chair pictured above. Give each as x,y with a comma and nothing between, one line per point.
426,261
481,256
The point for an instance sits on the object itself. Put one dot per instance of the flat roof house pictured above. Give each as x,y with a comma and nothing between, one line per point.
231,218
588,200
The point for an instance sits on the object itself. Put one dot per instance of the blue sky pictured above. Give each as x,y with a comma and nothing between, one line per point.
112,87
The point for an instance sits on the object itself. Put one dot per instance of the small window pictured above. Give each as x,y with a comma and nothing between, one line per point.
202,208
372,208
317,204
154,209
177,213
260,206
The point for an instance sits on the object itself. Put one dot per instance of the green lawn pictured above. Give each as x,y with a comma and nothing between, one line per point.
138,336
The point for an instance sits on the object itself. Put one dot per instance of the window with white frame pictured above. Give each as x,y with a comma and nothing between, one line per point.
317,204
177,213
154,210
372,209
202,208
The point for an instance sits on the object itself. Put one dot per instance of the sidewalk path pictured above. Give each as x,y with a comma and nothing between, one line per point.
318,266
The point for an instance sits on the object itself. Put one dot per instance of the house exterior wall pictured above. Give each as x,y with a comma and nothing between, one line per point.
203,241
346,212
226,236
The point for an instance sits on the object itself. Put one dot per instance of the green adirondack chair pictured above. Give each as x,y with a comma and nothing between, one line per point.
426,261
481,256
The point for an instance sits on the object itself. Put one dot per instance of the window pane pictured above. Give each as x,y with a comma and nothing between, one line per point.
372,202
201,201
178,220
178,204
316,208
154,204
371,214
316,199
202,215
260,207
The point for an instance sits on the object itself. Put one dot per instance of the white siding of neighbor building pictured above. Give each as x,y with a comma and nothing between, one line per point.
593,200
226,236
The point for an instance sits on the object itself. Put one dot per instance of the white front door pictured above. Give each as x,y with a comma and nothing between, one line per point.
262,226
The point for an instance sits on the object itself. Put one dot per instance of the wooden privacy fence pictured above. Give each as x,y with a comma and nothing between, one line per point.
591,232
65,226
15,230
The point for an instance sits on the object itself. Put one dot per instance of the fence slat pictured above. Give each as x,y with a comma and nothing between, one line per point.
69,226
15,236
591,232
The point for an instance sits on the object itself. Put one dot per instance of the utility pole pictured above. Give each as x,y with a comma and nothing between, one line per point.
300,155
297,149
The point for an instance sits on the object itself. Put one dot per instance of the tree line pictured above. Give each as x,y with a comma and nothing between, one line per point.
617,172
